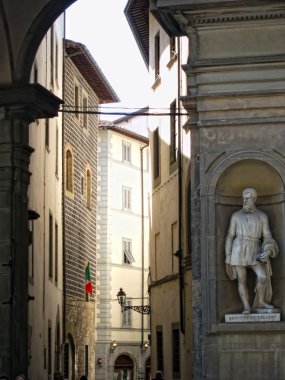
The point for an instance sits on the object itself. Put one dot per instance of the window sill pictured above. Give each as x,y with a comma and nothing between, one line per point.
172,60
69,194
173,166
157,82
156,182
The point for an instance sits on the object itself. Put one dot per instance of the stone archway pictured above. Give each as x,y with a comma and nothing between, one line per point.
124,368
22,27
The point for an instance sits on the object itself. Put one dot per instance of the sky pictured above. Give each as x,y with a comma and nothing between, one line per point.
102,27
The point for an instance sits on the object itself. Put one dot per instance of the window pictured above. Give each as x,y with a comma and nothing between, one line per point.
156,252
127,315
126,152
86,361
56,61
175,352
156,154
52,56
159,347
85,108
56,253
82,185
47,133
126,198
157,55
49,359
127,252
35,79
173,133
172,45
31,251
50,248
66,361
88,188
57,347
174,242
56,151
69,170
76,100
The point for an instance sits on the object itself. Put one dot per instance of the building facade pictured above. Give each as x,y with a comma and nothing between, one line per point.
122,347
235,89
170,181
85,87
45,257
23,28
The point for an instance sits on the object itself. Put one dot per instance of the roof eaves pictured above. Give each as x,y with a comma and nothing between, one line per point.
90,70
136,12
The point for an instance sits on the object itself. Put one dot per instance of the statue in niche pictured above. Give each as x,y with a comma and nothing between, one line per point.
249,244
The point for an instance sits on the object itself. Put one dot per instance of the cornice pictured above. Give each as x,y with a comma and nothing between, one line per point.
188,19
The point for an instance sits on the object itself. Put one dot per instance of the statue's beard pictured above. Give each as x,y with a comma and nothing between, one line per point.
248,208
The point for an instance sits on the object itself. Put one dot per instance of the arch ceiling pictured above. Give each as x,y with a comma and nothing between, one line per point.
23,25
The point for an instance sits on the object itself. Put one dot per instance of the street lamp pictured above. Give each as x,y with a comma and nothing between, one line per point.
121,296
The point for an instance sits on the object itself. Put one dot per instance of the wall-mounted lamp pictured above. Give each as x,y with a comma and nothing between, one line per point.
145,345
113,345
100,362
121,297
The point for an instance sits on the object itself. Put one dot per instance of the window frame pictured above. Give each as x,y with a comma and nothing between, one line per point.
126,198
85,118
173,143
127,258
159,348
56,252
126,151
127,315
176,351
156,157
69,165
76,99
157,55
50,246
88,188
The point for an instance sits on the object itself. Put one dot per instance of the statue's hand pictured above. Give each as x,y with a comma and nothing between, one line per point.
231,272
228,259
264,256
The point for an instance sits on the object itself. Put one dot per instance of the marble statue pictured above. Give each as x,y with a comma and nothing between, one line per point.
249,244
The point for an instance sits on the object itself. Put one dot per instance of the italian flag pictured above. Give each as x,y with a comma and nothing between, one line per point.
88,283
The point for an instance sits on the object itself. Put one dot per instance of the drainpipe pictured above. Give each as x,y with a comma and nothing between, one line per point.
180,237
142,243
63,192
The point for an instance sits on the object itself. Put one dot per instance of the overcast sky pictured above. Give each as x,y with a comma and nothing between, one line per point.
103,28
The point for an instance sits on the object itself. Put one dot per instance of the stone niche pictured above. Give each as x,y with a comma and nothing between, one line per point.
269,185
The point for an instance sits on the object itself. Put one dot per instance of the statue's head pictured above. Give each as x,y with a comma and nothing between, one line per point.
249,196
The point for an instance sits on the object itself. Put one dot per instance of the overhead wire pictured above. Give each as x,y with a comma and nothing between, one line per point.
85,110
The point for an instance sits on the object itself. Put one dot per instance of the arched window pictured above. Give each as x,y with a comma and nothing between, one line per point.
88,187
69,170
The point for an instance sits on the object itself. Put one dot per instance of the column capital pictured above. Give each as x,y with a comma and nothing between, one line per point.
35,100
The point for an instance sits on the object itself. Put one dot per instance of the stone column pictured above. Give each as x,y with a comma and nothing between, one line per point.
20,106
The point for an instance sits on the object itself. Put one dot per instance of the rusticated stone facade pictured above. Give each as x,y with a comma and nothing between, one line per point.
85,88
79,224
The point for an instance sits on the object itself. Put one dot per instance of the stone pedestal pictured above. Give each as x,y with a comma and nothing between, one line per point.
262,315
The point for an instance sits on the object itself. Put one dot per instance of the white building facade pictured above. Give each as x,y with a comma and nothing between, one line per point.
45,214
169,139
122,344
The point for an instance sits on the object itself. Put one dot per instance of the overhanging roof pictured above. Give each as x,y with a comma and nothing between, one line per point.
90,70
126,132
136,12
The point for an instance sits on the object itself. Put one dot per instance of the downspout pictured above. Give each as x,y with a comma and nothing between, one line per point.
180,237
63,192
142,243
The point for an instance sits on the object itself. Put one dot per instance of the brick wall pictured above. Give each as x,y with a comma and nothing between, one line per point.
80,220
